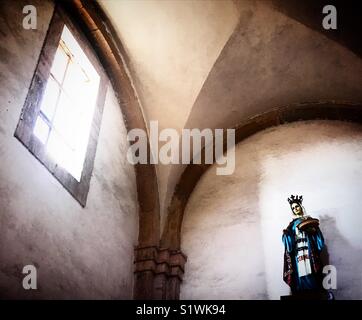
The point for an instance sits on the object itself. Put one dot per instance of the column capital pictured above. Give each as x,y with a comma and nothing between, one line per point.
164,269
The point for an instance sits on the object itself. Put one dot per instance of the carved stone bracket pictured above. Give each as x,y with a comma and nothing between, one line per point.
158,273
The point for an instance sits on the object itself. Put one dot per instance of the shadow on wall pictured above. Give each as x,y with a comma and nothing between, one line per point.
345,257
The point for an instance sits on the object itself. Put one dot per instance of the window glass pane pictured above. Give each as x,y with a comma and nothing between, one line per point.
78,53
41,130
74,81
50,97
63,154
64,121
59,64
72,120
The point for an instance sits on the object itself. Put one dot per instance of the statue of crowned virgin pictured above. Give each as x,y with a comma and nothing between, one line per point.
303,243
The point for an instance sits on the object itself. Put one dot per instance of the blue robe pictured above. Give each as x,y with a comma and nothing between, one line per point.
295,274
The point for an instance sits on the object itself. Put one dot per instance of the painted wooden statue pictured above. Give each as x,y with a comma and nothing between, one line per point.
303,242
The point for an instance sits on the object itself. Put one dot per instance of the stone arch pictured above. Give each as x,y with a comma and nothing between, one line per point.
324,110
106,43
103,37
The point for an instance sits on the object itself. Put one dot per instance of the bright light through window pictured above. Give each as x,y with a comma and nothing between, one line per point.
65,118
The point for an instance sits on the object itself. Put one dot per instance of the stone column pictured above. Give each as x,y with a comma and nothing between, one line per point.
158,273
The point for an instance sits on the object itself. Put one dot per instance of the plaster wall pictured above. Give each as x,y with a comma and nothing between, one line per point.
233,224
79,252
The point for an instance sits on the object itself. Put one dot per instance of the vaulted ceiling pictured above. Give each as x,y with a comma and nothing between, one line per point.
214,64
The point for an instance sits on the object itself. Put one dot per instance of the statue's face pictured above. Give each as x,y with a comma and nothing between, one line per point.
297,209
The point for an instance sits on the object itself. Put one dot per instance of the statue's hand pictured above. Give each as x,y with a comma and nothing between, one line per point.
309,225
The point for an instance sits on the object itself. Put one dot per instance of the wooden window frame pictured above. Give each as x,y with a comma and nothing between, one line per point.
24,131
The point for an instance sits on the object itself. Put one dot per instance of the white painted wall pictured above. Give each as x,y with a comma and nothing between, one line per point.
79,252
233,224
